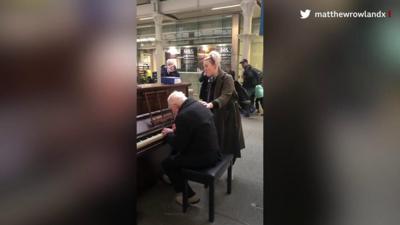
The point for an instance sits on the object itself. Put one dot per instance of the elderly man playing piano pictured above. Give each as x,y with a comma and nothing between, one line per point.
194,141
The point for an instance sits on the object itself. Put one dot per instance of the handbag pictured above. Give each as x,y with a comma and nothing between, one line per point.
259,91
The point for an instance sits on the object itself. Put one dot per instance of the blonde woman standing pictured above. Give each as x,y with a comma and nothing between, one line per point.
221,99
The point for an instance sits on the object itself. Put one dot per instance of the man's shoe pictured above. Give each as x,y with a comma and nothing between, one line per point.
192,200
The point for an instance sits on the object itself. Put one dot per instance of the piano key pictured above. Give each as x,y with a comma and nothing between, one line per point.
149,141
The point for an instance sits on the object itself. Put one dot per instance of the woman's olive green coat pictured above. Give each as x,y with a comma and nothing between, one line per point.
227,115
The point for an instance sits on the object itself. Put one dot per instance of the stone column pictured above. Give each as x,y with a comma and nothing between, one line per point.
159,59
247,11
235,44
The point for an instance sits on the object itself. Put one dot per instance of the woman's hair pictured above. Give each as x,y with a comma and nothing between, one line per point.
214,57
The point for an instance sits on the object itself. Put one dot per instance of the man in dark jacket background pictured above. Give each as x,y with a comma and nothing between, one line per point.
194,141
250,81
203,88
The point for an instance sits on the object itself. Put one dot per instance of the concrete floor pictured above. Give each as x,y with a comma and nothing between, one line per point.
244,206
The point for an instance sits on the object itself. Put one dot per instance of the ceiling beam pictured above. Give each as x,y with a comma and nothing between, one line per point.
179,6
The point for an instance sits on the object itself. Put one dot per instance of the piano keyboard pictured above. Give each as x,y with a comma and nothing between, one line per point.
148,141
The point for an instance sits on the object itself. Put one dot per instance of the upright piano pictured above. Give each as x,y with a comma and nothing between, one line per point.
152,116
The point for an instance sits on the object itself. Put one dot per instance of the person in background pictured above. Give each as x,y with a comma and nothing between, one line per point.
148,74
164,71
194,142
250,80
222,100
244,99
171,69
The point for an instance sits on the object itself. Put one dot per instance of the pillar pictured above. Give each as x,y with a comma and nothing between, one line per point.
235,44
159,59
247,11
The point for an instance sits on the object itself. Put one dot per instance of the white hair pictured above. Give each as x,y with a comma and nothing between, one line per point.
177,97
170,62
214,56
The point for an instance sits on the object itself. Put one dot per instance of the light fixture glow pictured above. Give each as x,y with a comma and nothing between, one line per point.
173,50
225,7
146,18
205,48
145,39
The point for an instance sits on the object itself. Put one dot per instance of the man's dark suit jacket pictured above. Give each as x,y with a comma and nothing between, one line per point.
195,138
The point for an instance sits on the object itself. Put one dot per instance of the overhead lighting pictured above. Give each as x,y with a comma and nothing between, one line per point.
145,39
173,50
144,26
205,48
225,7
146,18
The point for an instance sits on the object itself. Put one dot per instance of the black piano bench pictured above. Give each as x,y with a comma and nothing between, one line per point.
208,177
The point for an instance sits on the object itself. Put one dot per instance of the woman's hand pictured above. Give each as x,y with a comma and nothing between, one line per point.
203,102
208,105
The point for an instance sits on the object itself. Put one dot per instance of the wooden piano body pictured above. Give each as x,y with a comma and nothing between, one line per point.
151,146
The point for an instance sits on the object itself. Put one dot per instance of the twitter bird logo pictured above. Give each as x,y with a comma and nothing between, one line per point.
304,14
